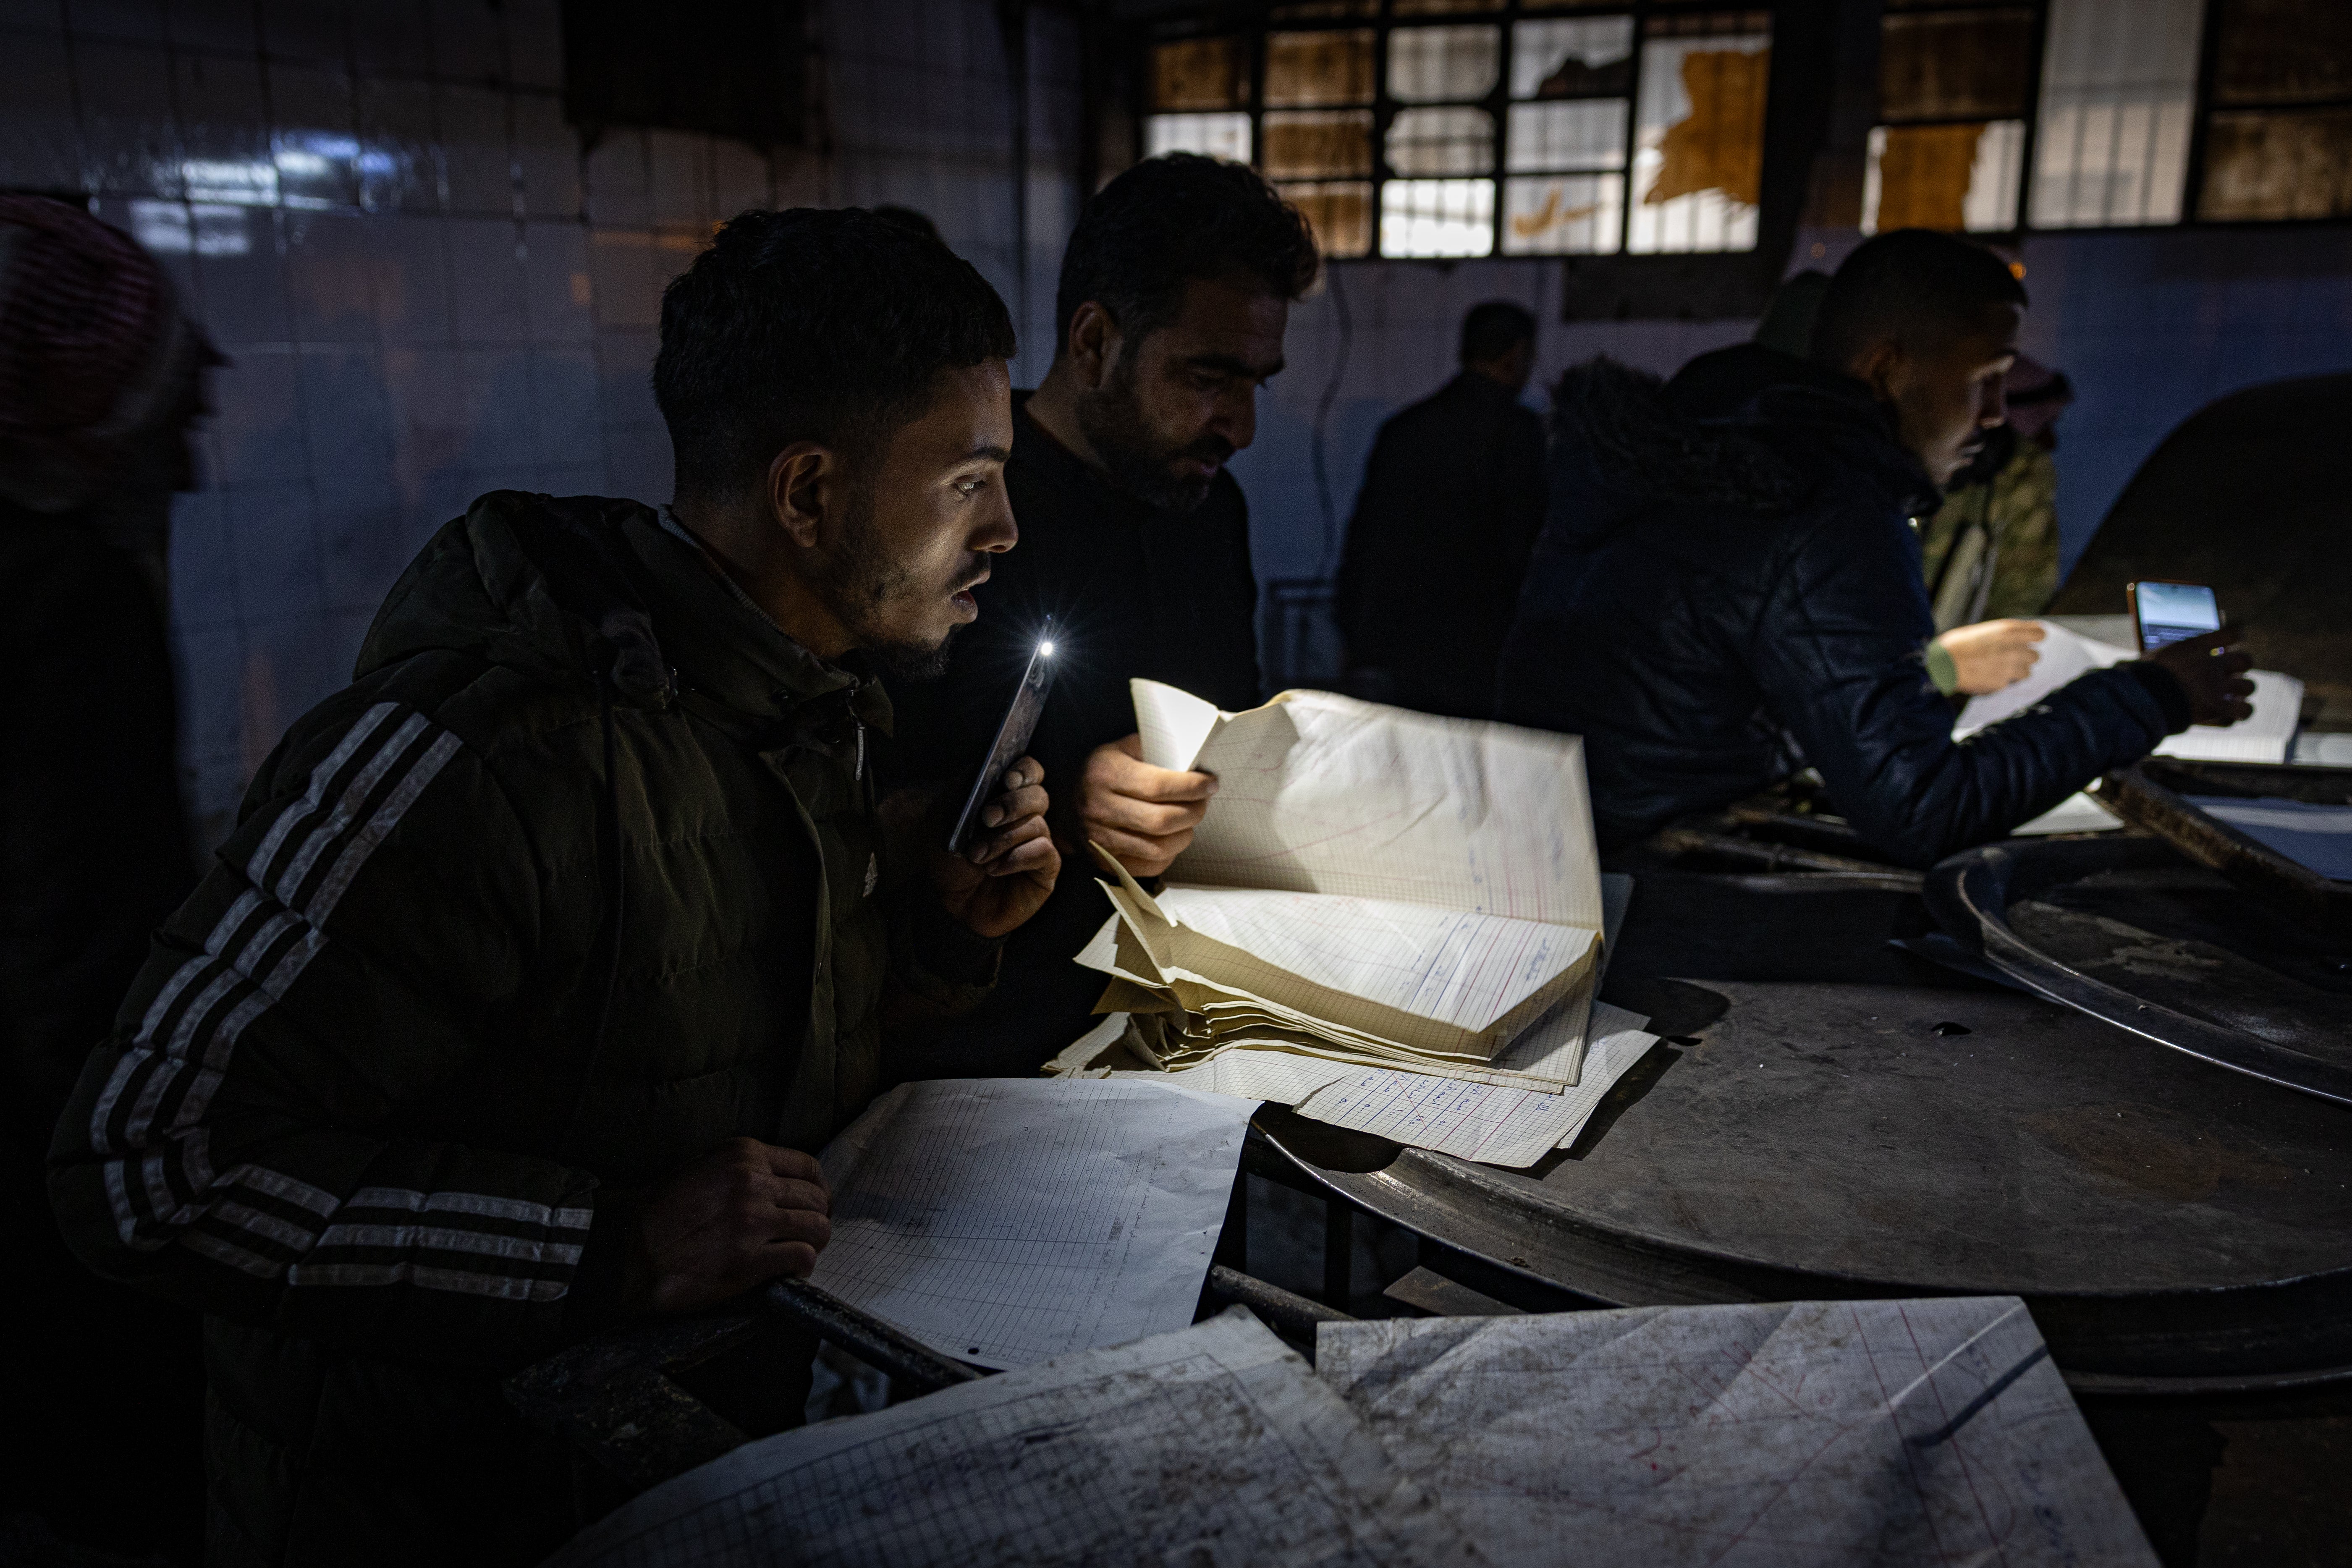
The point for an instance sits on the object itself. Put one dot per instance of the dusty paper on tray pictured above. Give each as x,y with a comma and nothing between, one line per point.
1006,1220
1212,1445
2266,736
1846,1433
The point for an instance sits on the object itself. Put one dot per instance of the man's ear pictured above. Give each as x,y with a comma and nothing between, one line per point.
1093,344
805,487
1881,367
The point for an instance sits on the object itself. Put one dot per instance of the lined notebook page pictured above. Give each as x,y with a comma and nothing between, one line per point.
1321,793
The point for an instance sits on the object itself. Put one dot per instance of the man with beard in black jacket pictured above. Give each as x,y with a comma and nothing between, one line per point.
1728,587
1175,292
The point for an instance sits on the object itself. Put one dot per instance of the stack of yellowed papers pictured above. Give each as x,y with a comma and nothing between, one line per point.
1388,919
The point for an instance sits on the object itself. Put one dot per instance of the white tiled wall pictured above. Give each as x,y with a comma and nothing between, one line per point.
429,291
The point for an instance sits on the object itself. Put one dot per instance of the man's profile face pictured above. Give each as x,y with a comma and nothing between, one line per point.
1173,407
926,513
1946,393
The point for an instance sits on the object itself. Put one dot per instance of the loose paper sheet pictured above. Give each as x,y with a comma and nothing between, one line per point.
2264,737
1213,1446
1823,1433
1006,1220
1321,793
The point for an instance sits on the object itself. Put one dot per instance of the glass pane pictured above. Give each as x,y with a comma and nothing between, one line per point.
2118,81
1199,73
1698,155
1341,215
1591,59
1440,7
1437,217
1318,144
2283,51
1435,65
1944,176
1579,215
2283,164
1303,69
1588,134
1940,66
1325,10
1442,141
1218,135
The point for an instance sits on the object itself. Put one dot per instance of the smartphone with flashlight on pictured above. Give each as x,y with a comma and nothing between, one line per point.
1012,739
2166,613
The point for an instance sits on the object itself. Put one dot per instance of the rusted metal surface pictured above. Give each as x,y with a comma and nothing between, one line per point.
2246,992
912,1365
1881,1126
2152,796
612,1400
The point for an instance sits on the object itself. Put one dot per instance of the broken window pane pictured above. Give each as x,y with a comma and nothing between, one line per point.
1587,134
1318,145
1218,135
1305,69
2118,83
1437,217
1698,162
1950,177
2283,51
1199,73
1950,64
1442,141
2283,164
1341,214
1592,58
1437,64
1579,215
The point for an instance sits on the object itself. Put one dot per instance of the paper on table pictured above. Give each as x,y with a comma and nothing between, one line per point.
2078,812
1322,793
1821,1433
1006,1220
2264,737
2316,837
1214,1444
1493,1125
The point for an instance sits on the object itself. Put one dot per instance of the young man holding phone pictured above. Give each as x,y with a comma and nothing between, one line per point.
1728,587
547,956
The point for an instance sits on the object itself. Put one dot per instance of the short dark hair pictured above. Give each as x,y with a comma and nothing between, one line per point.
1494,328
1168,221
812,325
1908,283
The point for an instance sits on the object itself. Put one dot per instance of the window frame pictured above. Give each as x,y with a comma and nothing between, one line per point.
1382,19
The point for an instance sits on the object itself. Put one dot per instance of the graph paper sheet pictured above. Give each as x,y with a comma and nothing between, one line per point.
1321,793
1006,1220
1213,1446
1818,1434
2266,736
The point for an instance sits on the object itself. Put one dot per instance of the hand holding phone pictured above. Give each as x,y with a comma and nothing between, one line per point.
2167,613
1019,722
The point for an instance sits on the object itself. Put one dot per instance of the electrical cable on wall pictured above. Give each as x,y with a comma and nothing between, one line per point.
1322,421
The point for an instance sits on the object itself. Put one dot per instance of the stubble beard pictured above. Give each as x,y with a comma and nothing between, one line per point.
1113,424
861,583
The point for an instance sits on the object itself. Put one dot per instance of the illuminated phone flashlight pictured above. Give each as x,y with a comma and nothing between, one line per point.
1012,740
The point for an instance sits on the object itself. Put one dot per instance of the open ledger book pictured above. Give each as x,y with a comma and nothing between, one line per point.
1373,888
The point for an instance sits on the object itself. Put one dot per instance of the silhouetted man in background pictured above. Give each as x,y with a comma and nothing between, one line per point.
1728,587
101,379
1453,499
1175,292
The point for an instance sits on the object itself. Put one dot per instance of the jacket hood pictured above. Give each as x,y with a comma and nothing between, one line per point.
567,590
1745,428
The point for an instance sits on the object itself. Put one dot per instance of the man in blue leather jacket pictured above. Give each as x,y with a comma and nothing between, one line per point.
1727,588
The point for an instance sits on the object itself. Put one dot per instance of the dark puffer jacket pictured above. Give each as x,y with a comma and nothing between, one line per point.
579,879
1728,589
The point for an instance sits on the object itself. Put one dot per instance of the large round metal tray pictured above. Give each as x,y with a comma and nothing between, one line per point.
1832,1117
